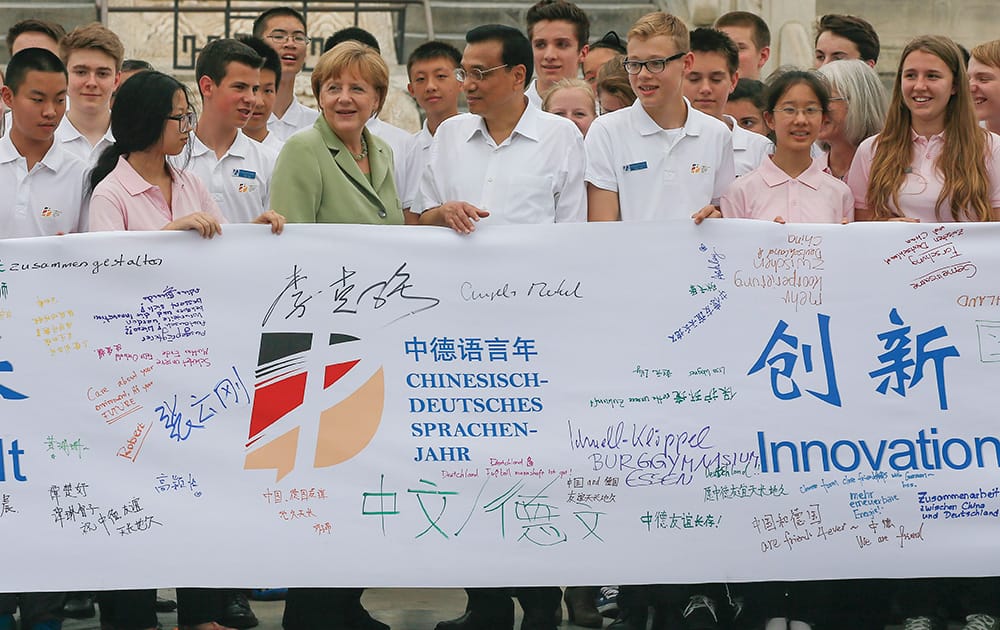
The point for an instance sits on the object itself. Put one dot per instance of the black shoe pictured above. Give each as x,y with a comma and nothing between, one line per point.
237,612
164,605
79,606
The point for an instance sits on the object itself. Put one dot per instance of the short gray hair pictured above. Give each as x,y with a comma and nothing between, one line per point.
858,82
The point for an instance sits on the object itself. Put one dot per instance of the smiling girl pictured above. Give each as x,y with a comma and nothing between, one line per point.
928,163
790,186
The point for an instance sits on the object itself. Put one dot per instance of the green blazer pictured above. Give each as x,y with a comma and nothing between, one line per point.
317,181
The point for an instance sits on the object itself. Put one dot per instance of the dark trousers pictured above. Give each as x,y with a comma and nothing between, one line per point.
34,607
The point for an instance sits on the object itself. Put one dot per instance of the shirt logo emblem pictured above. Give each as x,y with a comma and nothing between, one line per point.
697,169
51,212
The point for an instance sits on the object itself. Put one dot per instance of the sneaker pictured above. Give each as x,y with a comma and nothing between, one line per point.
980,622
607,601
700,613
918,623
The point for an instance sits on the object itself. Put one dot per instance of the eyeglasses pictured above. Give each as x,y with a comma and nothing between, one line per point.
281,37
479,75
840,98
792,112
185,122
655,66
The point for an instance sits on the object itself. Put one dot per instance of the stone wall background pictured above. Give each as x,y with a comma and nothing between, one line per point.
149,36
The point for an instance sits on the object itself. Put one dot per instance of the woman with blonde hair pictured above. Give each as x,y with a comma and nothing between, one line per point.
338,172
857,112
932,162
572,99
984,83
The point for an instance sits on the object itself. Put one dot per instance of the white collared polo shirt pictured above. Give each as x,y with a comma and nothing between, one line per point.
240,182
50,199
659,173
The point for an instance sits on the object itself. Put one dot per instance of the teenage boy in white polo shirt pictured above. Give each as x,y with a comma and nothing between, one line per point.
43,184
32,33
660,158
284,30
559,32
433,84
270,81
93,56
510,163
235,169
707,86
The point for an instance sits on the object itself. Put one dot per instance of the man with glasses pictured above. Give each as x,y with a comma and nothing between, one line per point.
235,169
284,30
506,163
509,163
660,158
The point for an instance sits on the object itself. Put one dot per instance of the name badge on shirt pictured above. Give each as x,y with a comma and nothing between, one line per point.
238,172
635,166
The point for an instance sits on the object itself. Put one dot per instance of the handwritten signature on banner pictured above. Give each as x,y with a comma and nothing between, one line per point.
346,297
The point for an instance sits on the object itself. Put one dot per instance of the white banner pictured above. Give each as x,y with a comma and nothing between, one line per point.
569,404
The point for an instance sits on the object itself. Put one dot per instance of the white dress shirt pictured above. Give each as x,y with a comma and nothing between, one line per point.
399,141
533,176
296,118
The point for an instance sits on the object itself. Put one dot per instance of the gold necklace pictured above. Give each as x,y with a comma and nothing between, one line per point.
364,151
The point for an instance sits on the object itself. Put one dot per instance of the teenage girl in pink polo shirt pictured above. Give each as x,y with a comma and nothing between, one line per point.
790,186
134,187
932,162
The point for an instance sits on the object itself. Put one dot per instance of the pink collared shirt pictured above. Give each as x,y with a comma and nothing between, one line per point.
923,182
125,201
769,192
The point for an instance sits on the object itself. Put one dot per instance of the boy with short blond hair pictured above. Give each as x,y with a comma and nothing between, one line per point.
660,158
93,56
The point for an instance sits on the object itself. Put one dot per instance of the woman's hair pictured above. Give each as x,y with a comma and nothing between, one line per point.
569,84
358,58
783,80
141,107
612,78
857,82
961,163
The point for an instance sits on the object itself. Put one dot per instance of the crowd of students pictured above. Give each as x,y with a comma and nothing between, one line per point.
665,124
